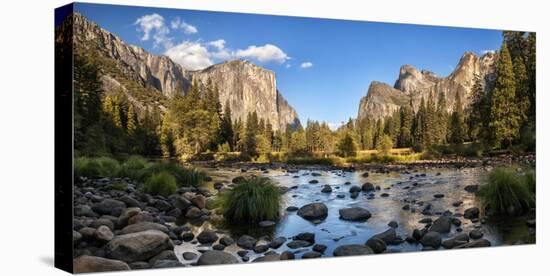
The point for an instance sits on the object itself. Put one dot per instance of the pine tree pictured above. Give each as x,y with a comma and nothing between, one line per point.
347,146
419,124
531,67
250,142
477,110
522,89
430,123
406,123
442,119
457,127
226,126
504,115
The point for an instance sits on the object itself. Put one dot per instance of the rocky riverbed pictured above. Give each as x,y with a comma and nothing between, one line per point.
326,212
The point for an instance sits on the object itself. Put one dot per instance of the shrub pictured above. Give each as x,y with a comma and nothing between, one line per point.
506,193
530,180
134,167
251,201
184,176
96,167
162,183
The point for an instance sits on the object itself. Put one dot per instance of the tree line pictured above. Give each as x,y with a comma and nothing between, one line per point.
500,116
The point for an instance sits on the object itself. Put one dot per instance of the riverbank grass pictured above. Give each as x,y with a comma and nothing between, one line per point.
507,192
96,167
251,201
162,183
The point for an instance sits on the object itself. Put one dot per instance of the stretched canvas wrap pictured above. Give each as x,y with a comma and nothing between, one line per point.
190,138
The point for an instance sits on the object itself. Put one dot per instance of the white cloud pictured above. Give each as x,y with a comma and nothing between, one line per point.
334,126
190,55
265,53
152,25
219,44
288,65
306,65
180,24
488,51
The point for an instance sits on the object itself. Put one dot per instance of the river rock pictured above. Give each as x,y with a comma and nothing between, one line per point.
261,248
393,224
455,241
326,189
377,245
164,255
126,215
103,234
109,206
298,244
207,236
471,188
475,244
365,174
287,255
321,248
144,226
238,179
476,234
166,264
313,211
367,187
218,246
314,181
84,211
352,250
193,213
86,264
267,258
189,256
227,241
431,239
277,242
138,246
246,242
76,237
292,209
354,189
103,221
305,236
141,217
389,236
266,223
354,214
214,257
441,225
199,201
311,255
471,213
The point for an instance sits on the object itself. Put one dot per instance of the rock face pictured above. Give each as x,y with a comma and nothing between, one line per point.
412,85
247,87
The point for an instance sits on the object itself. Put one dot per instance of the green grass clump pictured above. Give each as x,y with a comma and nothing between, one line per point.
162,183
96,167
134,167
251,201
507,193
184,176
530,179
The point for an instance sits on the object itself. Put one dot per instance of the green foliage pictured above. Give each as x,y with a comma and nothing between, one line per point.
508,193
184,176
530,180
505,118
134,167
251,201
162,183
385,145
96,167
347,146
457,127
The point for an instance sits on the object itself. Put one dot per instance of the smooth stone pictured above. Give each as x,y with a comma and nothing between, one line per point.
144,226
321,248
214,257
475,244
298,244
352,250
266,223
311,255
227,241
287,255
389,236
207,236
476,234
313,211
189,256
441,225
246,242
471,213
138,246
277,242
86,264
267,258
431,239
103,234
377,245
354,214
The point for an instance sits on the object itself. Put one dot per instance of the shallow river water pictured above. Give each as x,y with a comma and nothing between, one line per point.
401,188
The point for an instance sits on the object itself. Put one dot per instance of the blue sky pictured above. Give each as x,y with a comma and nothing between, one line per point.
323,66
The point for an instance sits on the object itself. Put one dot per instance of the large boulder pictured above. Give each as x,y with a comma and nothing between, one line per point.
268,258
455,241
441,225
313,211
354,214
377,245
368,187
215,257
126,215
138,246
103,234
85,264
144,226
352,250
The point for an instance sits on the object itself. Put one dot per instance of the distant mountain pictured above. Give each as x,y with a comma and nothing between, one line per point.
148,78
412,85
